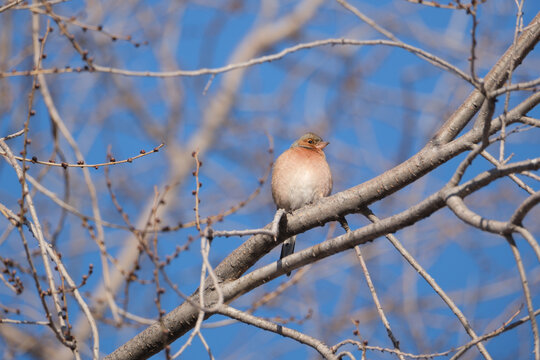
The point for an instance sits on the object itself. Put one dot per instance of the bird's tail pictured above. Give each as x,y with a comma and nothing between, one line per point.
288,248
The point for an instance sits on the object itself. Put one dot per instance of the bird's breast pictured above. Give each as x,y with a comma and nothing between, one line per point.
300,177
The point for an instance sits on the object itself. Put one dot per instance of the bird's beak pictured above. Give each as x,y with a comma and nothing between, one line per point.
322,144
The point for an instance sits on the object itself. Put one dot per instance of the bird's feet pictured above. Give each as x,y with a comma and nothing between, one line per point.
275,222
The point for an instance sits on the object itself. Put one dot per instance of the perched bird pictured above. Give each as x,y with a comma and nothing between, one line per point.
300,176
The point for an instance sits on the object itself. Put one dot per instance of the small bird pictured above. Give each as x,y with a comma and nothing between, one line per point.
300,176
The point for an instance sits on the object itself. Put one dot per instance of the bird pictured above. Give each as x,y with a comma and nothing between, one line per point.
300,176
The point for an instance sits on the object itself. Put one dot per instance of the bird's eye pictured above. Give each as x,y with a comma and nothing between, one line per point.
310,141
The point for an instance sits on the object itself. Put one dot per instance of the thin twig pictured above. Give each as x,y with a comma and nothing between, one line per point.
244,317
473,11
14,135
429,57
10,5
438,5
81,163
527,294
509,81
410,259
378,305
514,178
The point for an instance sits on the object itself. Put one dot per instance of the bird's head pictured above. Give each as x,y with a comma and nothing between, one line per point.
310,141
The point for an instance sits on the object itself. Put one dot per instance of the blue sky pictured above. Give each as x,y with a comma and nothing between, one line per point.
376,105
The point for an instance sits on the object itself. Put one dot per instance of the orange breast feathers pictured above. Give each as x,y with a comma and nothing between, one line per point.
300,177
